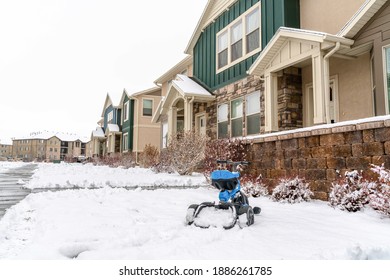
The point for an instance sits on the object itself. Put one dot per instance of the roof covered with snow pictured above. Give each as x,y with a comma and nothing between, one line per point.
187,86
98,132
45,135
112,128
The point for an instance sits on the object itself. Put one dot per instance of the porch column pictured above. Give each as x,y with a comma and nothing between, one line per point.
271,102
318,88
187,114
172,121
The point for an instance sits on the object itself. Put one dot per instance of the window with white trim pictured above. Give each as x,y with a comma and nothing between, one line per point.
125,141
387,77
223,120
110,117
239,40
126,111
236,117
252,110
147,109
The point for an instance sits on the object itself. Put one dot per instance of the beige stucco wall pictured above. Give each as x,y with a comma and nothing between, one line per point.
327,15
354,86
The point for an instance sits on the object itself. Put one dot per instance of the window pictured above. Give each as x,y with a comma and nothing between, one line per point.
147,107
126,111
387,78
236,41
252,105
222,49
236,117
239,40
125,141
223,121
110,117
252,31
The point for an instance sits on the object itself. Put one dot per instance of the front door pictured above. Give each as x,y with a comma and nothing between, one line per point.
201,124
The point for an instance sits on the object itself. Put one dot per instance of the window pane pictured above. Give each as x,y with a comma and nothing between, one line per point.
253,103
222,58
223,129
237,127
222,112
222,41
252,41
388,73
147,107
253,124
236,32
252,21
236,50
236,108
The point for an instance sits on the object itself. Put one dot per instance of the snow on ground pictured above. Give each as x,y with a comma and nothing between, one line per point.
65,175
6,165
116,223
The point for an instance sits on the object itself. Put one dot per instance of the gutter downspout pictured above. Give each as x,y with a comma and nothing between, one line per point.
327,79
191,111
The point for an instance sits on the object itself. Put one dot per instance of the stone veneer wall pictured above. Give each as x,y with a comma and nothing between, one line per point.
320,155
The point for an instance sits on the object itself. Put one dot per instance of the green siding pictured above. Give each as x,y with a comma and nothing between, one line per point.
128,126
274,13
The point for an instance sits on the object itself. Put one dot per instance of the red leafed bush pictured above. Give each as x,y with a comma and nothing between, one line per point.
253,187
380,199
352,194
292,191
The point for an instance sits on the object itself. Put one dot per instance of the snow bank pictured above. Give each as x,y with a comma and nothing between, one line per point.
115,223
6,165
65,175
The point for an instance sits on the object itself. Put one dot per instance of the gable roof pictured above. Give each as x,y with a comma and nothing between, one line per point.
174,70
213,9
283,35
361,18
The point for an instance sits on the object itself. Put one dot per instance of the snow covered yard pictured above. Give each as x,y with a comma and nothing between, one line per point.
117,223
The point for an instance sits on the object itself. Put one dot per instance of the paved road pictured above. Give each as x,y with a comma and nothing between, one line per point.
11,189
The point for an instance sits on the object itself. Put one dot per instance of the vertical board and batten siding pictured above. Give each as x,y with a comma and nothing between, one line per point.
274,13
377,31
128,126
116,116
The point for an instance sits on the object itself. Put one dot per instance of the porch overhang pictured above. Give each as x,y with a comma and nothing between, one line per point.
112,129
290,46
185,88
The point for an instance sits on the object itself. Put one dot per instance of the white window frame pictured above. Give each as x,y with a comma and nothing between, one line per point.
223,120
253,113
110,116
150,99
235,118
227,29
126,111
386,85
125,143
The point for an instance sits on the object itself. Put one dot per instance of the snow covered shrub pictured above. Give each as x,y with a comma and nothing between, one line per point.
223,149
149,156
254,188
185,152
380,199
292,191
116,160
352,194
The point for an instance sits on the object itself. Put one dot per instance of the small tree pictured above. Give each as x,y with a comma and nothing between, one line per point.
254,187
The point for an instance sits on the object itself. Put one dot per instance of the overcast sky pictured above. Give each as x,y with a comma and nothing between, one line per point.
59,58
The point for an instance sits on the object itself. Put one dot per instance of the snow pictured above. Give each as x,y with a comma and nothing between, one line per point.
65,175
98,132
119,223
6,165
189,86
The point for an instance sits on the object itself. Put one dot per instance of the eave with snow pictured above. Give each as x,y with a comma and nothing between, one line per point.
178,104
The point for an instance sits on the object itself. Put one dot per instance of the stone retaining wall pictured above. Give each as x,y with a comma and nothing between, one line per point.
321,154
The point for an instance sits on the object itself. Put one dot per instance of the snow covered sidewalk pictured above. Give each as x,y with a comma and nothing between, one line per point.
122,223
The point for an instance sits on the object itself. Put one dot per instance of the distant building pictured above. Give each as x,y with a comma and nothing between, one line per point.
49,146
5,149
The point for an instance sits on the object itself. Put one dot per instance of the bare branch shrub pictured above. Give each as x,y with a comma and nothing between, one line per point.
149,157
185,152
